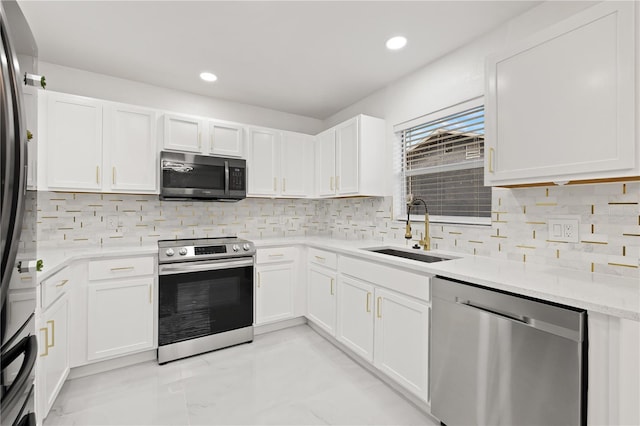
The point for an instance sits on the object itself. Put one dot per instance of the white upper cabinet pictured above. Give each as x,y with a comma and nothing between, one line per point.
130,142
296,165
326,163
262,162
30,97
357,164
560,105
226,139
74,142
182,133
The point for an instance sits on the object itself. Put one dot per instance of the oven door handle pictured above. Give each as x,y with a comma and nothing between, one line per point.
184,268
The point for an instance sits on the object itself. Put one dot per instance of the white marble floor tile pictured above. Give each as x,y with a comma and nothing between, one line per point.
289,377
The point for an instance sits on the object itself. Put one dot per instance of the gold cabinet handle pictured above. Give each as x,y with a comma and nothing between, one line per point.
53,333
258,279
332,286
123,268
368,301
98,174
320,259
379,311
46,341
62,283
491,152
331,183
113,175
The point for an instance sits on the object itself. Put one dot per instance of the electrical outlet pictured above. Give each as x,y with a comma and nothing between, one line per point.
564,228
112,223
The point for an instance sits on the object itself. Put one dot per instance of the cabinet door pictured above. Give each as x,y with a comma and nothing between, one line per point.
120,317
347,157
74,145
30,97
401,340
321,298
296,164
182,133
326,163
355,316
53,345
274,293
132,146
554,110
262,162
226,139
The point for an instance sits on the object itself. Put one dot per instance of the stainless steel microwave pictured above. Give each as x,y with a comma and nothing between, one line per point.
191,176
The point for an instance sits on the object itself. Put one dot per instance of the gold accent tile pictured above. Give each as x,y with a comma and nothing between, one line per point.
499,221
593,208
455,233
593,242
526,247
616,203
498,236
622,264
593,228
536,223
524,209
593,267
546,192
534,234
624,250
631,235
476,242
499,212
624,188
546,204
524,257
474,252
80,239
557,253
499,247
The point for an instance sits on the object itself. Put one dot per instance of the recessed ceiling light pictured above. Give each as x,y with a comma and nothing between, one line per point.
395,43
207,76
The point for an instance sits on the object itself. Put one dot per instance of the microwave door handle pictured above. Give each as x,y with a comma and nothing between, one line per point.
226,177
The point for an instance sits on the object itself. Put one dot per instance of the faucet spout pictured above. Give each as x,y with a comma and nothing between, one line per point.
425,240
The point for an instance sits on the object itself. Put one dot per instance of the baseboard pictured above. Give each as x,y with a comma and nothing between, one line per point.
414,400
112,364
275,326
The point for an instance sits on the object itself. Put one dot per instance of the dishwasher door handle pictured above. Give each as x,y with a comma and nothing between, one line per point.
493,311
547,327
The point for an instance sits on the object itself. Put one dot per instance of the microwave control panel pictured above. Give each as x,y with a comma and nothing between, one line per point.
237,181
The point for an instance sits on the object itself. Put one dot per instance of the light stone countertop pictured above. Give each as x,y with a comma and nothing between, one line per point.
606,294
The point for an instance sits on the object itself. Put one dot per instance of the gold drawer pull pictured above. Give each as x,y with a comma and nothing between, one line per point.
124,268
113,175
62,283
46,341
368,302
98,175
320,259
258,279
379,301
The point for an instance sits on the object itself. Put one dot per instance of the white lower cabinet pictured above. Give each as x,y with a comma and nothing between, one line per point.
402,340
120,317
386,328
355,316
274,292
321,298
53,361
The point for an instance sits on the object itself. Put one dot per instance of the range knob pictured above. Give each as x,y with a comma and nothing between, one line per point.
246,246
183,251
169,252
235,247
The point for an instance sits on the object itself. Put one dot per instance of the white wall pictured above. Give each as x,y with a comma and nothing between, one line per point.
453,78
85,83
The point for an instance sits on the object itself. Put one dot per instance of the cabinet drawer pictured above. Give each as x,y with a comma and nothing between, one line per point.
117,268
54,286
324,258
410,283
276,254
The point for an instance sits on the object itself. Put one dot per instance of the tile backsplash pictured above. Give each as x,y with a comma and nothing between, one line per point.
609,223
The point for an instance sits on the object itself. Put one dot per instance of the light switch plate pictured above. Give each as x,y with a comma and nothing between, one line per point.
564,228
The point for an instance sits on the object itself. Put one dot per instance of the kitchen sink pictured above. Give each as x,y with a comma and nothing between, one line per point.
419,256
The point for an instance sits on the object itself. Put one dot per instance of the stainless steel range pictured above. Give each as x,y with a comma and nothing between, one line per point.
205,295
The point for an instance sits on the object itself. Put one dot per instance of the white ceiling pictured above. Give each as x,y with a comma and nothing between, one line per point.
307,58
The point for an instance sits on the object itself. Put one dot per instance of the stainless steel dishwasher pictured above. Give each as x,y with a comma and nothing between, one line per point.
502,359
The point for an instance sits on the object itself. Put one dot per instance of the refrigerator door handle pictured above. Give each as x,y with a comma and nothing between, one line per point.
29,347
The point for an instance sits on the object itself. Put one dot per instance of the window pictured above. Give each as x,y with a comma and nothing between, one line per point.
442,162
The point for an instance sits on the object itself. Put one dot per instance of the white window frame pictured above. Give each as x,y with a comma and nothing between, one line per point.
399,205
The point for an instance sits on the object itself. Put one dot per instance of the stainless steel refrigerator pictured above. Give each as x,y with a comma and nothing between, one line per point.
19,350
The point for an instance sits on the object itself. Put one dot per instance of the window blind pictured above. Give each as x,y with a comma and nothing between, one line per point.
442,163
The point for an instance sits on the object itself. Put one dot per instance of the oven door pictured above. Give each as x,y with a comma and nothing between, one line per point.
198,299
